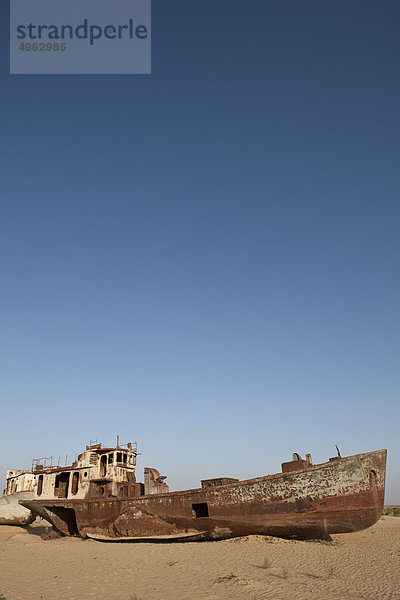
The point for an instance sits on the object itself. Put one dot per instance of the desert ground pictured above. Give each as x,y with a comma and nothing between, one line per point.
357,565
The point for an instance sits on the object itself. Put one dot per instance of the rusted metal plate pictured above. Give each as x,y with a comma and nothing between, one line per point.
294,465
205,483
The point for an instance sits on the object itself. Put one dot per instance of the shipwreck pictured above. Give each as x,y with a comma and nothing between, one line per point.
20,485
98,497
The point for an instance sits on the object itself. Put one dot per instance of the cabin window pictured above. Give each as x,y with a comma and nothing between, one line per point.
61,485
75,483
200,510
103,466
119,457
40,485
110,458
124,457
85,474
102,490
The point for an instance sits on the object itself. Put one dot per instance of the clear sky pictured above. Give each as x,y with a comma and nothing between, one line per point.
206,259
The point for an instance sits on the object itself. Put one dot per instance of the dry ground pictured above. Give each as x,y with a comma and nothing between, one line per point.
358,565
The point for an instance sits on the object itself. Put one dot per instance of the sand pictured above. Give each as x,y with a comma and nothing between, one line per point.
357,565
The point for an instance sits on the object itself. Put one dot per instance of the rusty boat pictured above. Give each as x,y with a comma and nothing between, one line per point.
20,485
98,497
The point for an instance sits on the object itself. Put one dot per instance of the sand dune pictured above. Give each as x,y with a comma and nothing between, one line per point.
359,565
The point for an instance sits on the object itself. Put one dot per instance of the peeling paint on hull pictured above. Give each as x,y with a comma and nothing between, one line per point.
339,496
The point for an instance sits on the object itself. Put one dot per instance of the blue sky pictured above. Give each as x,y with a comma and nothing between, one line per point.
206,259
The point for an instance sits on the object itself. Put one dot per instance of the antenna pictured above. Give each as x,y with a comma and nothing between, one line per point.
338,451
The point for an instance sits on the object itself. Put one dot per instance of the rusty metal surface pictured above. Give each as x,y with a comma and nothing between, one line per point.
205,483
295,465
339,496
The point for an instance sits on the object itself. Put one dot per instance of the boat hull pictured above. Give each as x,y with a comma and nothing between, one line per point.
340,496
12,513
